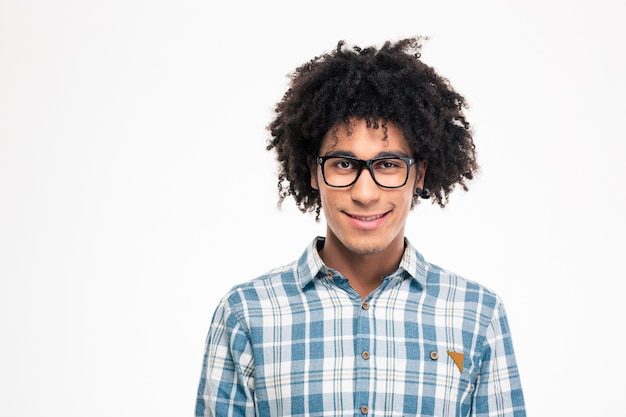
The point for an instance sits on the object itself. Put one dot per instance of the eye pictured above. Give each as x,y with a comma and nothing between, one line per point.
386,164
339,163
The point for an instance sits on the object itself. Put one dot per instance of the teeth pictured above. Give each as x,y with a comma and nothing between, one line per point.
367,219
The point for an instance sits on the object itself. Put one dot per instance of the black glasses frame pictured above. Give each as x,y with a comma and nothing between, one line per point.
321,160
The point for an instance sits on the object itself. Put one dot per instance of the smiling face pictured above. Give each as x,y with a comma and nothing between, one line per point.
365,218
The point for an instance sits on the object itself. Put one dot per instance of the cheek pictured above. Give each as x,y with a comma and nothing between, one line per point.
325,198
409,191
407,200
408,203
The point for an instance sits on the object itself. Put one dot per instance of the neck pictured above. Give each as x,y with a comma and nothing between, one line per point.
364,271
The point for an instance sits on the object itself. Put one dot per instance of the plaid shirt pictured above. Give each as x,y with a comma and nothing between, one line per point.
299,341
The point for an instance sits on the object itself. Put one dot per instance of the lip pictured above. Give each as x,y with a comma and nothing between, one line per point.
366,221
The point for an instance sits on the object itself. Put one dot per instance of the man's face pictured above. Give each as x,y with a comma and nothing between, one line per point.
364,217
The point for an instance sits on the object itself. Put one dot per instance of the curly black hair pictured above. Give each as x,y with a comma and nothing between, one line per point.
388,84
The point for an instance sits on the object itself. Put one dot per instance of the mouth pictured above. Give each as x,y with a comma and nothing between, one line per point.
367,222
367,218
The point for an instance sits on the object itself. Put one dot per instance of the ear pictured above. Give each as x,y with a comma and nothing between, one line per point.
421,173
313,172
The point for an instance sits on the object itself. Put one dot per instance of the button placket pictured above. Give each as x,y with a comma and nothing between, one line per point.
363,348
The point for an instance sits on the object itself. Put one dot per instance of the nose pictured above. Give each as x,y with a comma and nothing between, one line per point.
365,190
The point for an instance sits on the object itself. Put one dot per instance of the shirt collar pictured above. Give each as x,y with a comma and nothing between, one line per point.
310,264
413,263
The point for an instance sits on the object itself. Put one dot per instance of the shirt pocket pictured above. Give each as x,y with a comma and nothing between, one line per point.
445,379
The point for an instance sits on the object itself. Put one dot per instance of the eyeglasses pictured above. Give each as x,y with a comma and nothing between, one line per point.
387,172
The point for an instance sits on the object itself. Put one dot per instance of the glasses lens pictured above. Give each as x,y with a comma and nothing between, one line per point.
388,172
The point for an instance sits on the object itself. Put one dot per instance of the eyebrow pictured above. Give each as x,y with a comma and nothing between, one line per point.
385,154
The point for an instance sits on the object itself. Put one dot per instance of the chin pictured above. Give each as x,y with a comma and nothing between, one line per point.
366,248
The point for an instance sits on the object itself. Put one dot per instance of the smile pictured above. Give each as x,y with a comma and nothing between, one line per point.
368,218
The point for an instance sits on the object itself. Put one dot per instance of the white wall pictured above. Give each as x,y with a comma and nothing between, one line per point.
133,176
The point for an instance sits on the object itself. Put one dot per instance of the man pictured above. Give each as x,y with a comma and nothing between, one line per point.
361,324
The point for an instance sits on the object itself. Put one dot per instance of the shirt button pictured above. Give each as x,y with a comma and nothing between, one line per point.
434,355
329,274
365,355
365,305
364,409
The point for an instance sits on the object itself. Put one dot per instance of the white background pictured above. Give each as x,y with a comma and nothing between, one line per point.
135,189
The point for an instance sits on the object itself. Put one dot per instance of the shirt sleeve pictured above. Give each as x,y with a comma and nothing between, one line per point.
226,385
498,387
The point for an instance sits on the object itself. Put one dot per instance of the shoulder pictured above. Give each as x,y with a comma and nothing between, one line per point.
451,289
275,290
436,275
441,283
275,283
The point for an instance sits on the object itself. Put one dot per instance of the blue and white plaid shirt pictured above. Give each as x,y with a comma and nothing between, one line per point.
299,341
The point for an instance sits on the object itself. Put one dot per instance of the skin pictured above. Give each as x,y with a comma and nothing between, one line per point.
364,222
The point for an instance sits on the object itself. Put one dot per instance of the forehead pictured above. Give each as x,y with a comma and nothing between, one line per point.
365,141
